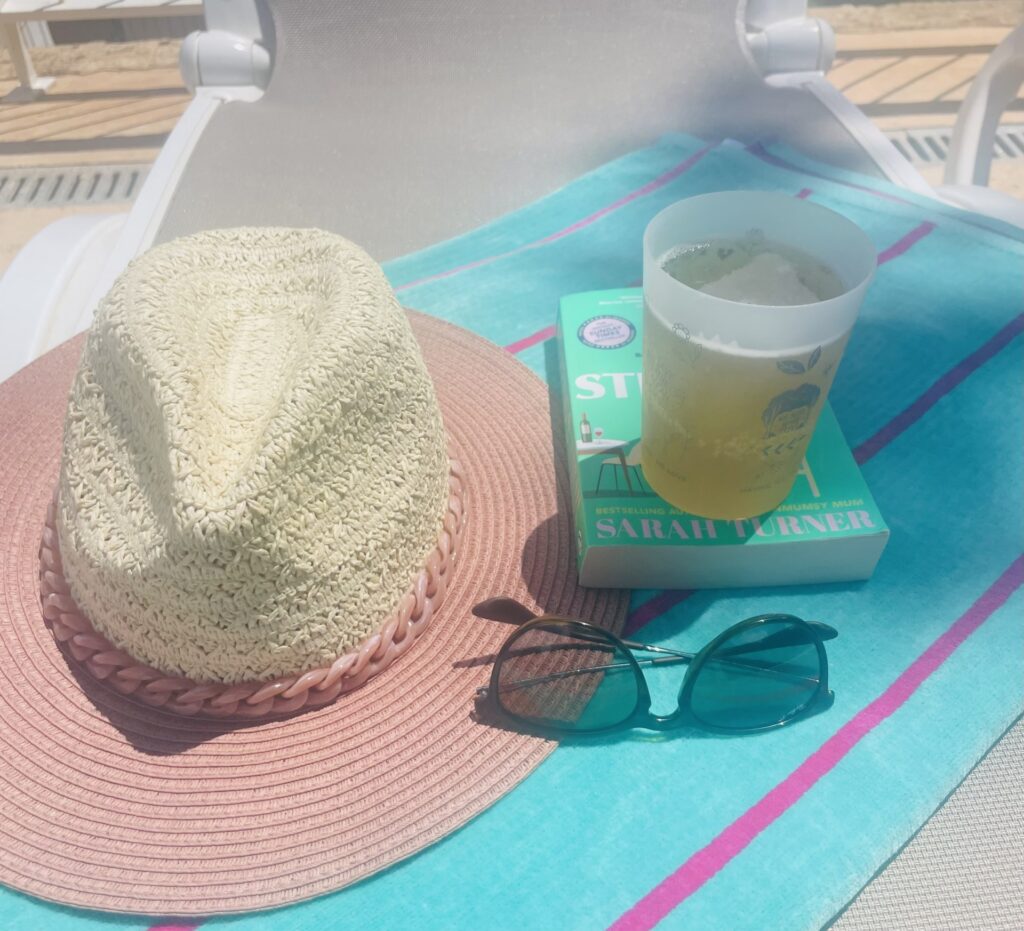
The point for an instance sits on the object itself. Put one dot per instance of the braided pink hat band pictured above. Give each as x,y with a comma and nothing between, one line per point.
73,630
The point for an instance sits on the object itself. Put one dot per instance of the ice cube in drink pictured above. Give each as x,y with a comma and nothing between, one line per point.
753,270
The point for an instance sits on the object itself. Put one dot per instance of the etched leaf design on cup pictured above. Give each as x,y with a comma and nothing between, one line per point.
796,367
790,410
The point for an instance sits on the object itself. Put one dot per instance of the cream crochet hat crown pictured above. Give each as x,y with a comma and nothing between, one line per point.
254,465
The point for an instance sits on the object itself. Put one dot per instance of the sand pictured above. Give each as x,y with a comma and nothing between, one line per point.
93,57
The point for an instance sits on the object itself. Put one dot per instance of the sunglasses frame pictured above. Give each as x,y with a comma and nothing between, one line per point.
683,716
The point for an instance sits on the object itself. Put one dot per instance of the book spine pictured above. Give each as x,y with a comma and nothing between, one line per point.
578,516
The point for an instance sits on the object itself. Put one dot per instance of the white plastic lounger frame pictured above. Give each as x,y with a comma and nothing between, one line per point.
970,151
51,288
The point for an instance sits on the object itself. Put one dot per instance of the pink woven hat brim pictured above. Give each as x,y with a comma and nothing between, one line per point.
110,804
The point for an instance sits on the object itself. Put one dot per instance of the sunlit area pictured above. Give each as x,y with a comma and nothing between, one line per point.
538,465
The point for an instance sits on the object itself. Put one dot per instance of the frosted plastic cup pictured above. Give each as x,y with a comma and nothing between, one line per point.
732,391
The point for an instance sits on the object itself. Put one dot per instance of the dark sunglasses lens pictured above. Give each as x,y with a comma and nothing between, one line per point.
760,676
553,677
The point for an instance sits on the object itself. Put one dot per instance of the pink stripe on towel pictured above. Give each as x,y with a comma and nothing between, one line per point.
938,390
770,158
658,605
902,245
705,863
527,341
649,188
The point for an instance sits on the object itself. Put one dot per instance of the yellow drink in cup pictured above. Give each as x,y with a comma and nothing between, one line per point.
707,448
737,367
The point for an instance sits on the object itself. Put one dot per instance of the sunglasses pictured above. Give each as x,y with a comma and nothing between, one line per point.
564,676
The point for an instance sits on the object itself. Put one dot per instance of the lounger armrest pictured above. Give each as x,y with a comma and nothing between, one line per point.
44,294
994,88
53,285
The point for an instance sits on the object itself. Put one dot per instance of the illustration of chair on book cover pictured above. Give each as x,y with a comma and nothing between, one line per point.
631,462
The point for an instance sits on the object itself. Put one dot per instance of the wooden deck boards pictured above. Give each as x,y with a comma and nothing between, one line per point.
113,116
914,78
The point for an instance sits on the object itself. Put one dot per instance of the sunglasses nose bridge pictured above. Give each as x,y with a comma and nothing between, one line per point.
663,722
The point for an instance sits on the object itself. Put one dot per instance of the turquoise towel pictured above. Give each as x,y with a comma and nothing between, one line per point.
779,830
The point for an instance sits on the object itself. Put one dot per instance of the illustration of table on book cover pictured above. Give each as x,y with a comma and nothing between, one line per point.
828,529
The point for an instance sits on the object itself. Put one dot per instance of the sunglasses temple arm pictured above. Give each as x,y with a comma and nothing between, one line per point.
510,611
567,673
784,638
551,677
654,661
649,648
672,655
680,657
631,644
645,647
781,639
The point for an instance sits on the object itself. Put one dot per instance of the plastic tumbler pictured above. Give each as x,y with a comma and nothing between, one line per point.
732,390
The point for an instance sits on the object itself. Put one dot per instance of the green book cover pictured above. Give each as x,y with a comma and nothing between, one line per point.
827,530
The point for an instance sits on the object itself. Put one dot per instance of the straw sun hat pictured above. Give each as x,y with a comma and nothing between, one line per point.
237,660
